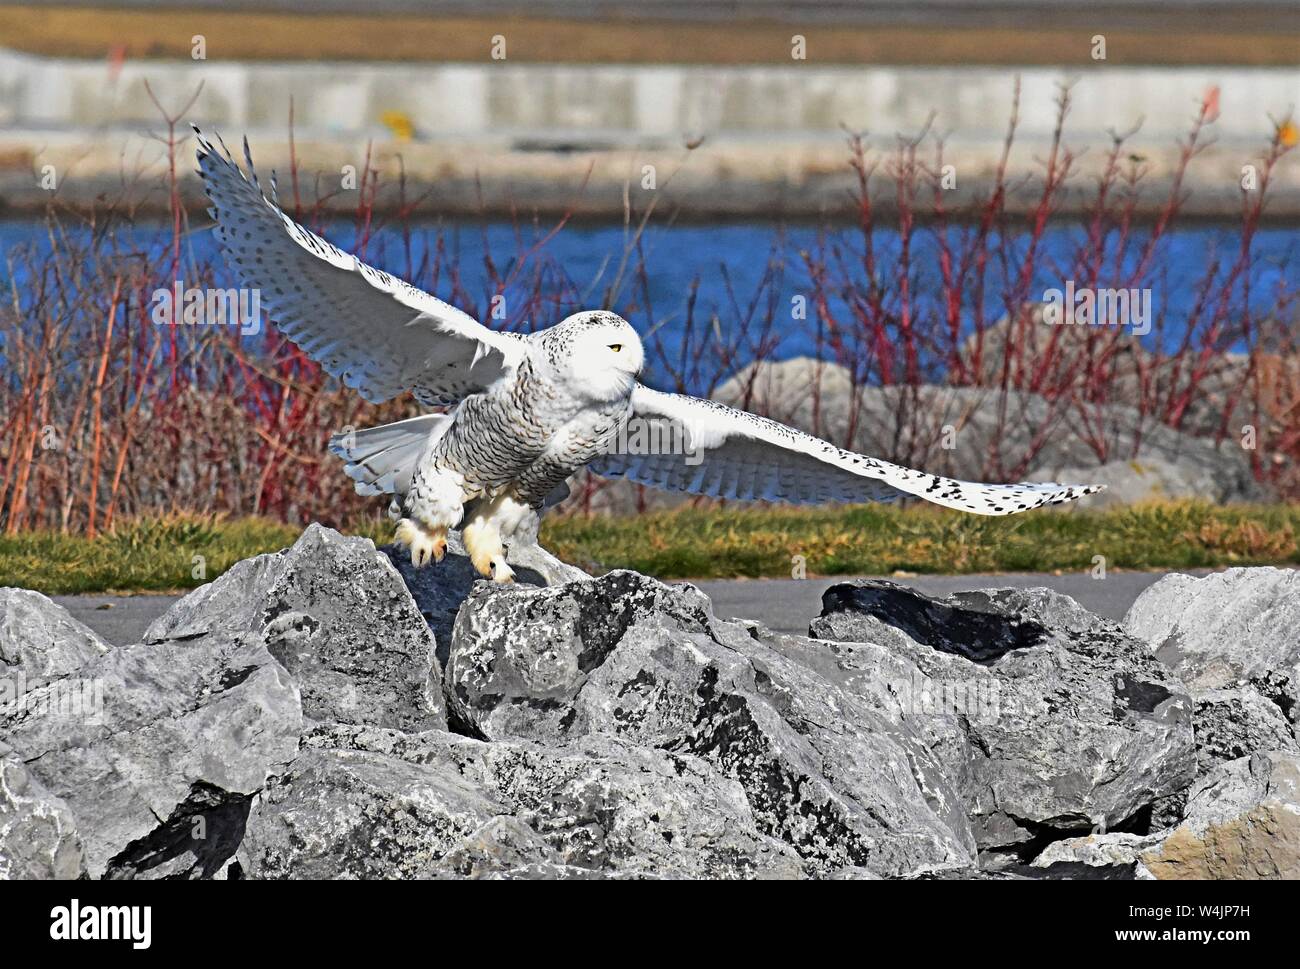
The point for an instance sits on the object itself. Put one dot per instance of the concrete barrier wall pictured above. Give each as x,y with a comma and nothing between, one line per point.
544,123
476,100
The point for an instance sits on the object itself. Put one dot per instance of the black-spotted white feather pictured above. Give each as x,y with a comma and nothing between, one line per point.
719,446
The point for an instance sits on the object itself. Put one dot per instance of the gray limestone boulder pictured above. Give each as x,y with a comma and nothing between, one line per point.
1116,855
38,834
1237,629
440,590
338,617
155,749
627,657
376,803
40,642
158,748
1241,821
293,719
1048,719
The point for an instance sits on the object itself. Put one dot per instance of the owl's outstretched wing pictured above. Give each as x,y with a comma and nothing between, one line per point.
377,333
707,448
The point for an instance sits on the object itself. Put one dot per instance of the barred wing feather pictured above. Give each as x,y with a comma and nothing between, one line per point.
377,333
728,453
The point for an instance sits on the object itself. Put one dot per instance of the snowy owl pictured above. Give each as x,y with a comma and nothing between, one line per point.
525,411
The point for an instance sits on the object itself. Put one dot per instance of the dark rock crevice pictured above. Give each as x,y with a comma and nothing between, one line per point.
980,635
197,840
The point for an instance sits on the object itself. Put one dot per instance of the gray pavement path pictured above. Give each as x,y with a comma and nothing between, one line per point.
785,605
118,619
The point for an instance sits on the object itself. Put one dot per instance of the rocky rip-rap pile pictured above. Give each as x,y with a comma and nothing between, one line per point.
329,712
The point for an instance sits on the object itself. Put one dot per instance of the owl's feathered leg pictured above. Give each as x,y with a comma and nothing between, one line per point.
482,536
486,525
433,505
486,552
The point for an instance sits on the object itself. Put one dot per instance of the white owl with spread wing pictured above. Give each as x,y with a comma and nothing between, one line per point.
525,411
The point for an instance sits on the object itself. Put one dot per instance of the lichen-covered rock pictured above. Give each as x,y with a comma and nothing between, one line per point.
373,803
338,617
38,834
1234,629
1242,822
1235,723
1047,719
440,591
629,657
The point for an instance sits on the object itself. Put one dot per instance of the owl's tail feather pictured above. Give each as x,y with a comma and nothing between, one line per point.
382,460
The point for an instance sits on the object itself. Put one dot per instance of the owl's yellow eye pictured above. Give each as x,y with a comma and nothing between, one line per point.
616,347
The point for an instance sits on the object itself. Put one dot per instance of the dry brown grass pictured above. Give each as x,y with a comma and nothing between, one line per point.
90,32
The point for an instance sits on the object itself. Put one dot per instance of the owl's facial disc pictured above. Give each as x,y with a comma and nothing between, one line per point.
624,352
605,355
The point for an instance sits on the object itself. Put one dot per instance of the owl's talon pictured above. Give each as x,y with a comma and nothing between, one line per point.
501,573
425,544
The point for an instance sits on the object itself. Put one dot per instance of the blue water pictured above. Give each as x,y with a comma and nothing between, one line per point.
746,269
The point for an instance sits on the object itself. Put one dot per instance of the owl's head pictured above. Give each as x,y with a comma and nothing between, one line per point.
598,352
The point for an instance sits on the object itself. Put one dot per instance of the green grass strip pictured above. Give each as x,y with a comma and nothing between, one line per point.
183,552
